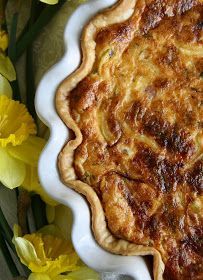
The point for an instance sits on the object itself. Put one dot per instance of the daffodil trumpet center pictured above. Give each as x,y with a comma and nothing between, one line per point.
16,124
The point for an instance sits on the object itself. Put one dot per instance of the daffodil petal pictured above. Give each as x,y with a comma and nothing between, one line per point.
36,240
51,230
25,251
50,213
29,151
50,2
12,171
5,87
6,68
24,248
39,276
17,232
43,130
83,273
56,254
3,40
32,184
56,247
63,219
46,254
55,267
16,124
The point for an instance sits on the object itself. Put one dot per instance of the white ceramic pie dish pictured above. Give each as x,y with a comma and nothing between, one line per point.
87,248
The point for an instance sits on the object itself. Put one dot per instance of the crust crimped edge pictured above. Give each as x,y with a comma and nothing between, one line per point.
118,13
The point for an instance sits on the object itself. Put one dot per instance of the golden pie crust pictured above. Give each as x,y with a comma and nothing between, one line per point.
135,106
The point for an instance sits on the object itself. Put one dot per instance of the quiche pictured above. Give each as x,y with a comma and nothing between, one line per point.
135,107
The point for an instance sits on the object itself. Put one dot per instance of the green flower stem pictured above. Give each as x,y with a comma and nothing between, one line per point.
12,54
16,192
16,91
7,256
30,83
2,13
40,7
44,18
39,212
6,230
7,235
12,37
23,204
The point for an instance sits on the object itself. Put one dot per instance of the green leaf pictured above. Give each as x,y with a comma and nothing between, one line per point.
2,12
30,83
16,91
12,54
6,230
39,211
7,68
7,234
5,87
7,257
12,37
44,18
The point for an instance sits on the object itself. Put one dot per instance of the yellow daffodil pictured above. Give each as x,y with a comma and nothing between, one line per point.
5,88
50,2
3,40
31,183
60,216
53,2
83,273
19,148
7,71
6,68
48,255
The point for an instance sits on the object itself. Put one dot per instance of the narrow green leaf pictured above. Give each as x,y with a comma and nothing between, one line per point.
16,91
12,37
2,13
7,234
17,192
23,32
39,8
44,18
7,256
39,211
23,204
30,83
12,54
6,230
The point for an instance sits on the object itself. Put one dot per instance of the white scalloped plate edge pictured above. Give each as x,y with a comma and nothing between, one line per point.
85,245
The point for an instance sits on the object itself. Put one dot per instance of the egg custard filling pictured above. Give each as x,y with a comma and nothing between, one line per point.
136,108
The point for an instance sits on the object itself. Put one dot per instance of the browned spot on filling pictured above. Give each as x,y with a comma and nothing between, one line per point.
169,136
156,10
83,96
186,259
157,170
194,177
116,33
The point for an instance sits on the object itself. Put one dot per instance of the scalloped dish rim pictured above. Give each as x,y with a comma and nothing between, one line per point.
82,237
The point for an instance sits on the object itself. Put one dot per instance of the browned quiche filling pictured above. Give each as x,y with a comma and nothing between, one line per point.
140,111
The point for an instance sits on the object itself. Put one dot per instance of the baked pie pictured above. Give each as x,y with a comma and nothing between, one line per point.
135,106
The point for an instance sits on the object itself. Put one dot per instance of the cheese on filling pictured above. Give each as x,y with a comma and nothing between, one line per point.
140,111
